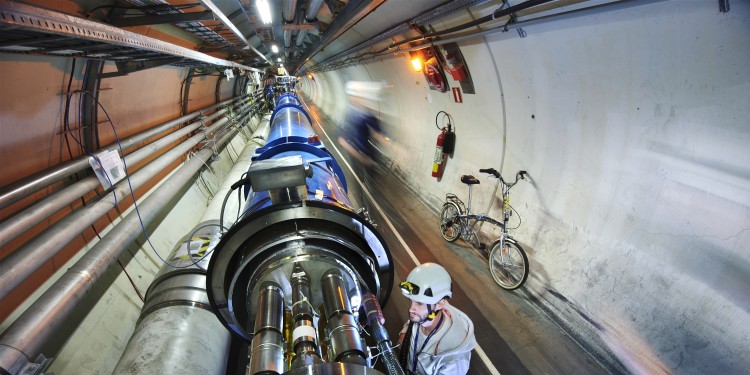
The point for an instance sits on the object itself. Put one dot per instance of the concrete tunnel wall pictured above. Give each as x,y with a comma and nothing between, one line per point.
633,126
636,220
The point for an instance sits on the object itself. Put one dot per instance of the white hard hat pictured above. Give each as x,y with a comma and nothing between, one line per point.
364,89
427,283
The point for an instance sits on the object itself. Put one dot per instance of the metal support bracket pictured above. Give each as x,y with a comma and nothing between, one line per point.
335,6
38,367
127,67
162,19
521,32
723,6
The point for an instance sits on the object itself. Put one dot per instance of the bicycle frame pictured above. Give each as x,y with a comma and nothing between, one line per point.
468,220
507,261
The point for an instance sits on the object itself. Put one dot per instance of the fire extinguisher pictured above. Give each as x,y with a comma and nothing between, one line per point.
446,141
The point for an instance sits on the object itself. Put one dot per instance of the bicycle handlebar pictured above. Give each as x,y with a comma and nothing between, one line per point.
519,175
491,171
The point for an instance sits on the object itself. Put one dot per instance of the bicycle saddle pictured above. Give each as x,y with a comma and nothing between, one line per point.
469,179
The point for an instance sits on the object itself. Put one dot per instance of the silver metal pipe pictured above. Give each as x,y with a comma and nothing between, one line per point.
23,339
177,315
25,187
313,7
304,335
343,331
35,214
301,307
19,265
311,15
267,346
288,10
287,38
301,34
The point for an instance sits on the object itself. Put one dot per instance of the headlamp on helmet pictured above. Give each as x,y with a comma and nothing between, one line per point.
427,283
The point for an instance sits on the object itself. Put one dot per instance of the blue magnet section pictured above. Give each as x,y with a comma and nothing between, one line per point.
291,135
288,98
281,110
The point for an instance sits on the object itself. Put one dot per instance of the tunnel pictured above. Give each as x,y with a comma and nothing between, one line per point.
246,186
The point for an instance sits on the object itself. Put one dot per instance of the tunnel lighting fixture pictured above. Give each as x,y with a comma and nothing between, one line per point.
416,64
278,59
265,11
274,49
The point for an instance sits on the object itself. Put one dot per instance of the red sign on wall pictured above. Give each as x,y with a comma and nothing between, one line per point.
457,95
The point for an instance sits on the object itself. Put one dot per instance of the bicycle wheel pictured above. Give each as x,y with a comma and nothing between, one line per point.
509,265
450,225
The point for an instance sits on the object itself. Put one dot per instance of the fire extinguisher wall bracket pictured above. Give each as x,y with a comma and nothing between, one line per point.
450,141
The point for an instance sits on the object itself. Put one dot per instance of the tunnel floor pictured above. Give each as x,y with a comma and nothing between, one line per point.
514,336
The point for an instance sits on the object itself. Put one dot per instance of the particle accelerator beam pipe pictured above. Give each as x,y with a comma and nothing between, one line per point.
23,339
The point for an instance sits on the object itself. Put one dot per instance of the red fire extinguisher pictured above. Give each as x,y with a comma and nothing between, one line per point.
445,142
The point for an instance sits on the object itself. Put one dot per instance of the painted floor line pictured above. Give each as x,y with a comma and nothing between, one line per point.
413,257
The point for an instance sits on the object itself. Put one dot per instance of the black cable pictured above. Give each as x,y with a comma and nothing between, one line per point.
403,353
235,186
500,12
445,114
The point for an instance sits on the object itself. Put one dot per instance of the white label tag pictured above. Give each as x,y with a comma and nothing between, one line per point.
229,73
109,169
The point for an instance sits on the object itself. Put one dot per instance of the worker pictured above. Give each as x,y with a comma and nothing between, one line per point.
363,129
438,338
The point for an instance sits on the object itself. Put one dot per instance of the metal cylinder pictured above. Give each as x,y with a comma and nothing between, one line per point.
304,337
301,292
288,9
312,10
301,34
267,347
168,339
343,331
335,296
310,16
287,38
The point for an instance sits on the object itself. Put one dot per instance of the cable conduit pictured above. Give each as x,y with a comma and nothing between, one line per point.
19,223
24,337
19,265
27,186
